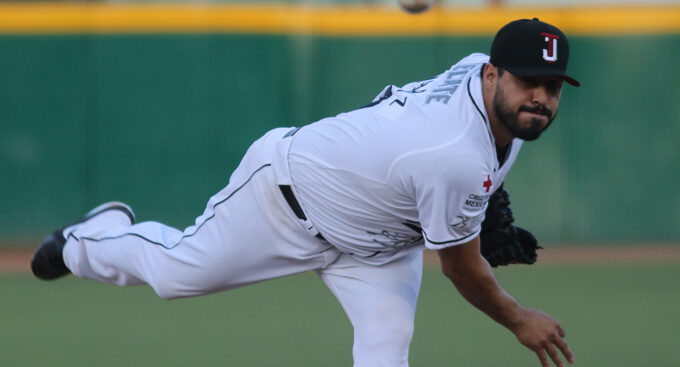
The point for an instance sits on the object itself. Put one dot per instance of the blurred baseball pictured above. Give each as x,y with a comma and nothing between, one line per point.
415,6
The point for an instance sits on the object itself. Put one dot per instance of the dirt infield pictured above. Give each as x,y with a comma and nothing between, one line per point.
16,260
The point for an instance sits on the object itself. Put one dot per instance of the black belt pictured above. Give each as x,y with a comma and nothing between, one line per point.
294,204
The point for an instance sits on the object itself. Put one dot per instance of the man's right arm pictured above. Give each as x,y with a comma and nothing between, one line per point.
476,282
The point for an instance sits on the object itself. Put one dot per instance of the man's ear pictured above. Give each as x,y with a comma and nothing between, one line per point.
490,75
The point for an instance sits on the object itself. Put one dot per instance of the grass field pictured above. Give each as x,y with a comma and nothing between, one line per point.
615,315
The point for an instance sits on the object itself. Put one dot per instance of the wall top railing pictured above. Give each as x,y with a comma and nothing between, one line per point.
324,19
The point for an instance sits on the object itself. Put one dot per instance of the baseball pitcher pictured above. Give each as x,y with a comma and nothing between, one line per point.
356,198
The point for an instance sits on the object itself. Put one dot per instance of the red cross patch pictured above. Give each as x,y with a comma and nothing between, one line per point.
487,184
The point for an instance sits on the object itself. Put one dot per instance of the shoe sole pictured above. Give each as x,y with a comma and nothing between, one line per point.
111,205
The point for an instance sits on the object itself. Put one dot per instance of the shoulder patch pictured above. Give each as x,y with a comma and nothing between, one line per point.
475,202
465,221
478,200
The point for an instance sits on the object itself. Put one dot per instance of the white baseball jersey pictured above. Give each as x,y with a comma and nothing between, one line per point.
414,167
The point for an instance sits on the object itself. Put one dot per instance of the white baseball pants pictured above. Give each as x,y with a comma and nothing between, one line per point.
248,234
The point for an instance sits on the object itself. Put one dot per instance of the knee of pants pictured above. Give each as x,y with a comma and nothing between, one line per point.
172,286
181,282
166,289
383,342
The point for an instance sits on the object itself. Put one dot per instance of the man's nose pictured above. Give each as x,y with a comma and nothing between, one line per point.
540,95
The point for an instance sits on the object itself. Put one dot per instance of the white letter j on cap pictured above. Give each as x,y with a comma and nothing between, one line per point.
550,54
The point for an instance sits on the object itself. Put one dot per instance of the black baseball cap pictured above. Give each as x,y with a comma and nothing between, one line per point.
529,47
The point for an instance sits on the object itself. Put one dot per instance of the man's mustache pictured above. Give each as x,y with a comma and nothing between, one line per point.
539,109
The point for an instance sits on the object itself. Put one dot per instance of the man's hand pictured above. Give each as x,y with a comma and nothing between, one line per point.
475,281
541,333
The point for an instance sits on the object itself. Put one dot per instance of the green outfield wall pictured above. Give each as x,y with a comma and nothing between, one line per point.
160,121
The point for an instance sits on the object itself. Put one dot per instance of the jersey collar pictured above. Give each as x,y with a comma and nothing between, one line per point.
474,91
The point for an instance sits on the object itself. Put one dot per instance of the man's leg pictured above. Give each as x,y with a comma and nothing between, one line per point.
380,302
247,234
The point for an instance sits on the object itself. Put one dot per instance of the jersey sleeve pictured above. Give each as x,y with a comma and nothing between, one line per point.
451,202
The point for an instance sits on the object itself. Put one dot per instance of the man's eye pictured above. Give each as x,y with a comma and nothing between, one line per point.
530,82
554,87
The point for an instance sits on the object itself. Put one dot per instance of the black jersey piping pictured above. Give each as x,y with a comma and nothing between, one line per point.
473,100
184,236
507,153
449,241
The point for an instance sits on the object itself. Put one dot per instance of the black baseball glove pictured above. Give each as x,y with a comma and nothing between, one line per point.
501,242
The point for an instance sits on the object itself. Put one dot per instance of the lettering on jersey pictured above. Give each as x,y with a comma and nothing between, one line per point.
475,202
443,98
394,239
397,101
466,221
443,90
417,88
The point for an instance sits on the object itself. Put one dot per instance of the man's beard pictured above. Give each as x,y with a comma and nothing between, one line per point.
510,119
